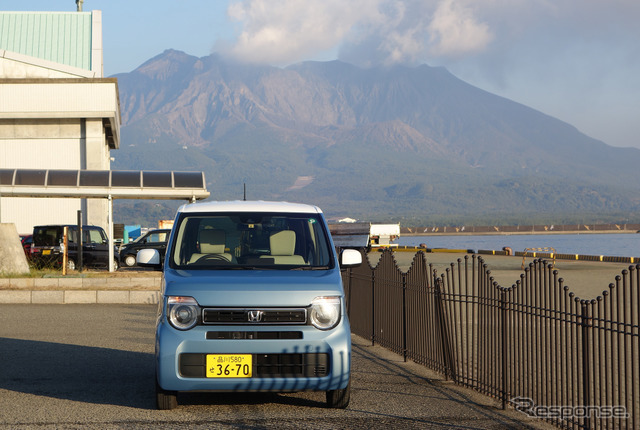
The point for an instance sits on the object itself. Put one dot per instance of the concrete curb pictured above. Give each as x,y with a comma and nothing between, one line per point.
79,297
134,290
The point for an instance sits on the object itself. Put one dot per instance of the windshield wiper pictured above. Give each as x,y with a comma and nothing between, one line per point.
311,268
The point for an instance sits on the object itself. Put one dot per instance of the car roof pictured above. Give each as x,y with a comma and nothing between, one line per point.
249,206
66,225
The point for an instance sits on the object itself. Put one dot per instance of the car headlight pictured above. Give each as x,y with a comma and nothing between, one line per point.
325,312
182,312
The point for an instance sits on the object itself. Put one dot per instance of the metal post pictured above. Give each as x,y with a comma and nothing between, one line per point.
65,252
585,323
373,308
404,316
110,239
79,242
449,371
503,349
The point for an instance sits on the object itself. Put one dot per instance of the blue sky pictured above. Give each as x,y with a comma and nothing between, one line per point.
577,60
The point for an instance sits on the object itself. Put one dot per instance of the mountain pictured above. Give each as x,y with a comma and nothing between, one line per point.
401,143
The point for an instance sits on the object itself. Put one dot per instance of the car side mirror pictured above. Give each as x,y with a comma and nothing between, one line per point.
350,258
149,258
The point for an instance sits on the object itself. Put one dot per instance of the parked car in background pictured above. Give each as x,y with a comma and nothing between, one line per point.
47,248
27,240
252,301
153,239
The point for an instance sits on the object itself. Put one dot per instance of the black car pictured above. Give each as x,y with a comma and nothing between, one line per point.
48,247
153,239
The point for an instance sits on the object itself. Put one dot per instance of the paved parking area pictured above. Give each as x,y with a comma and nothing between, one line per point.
91,366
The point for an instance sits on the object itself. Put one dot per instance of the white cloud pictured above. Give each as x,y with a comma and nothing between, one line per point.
366,31
454,31
284,31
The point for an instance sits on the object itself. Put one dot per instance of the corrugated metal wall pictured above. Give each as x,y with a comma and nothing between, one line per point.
61,37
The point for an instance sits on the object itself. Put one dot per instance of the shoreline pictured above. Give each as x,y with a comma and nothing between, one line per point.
514,233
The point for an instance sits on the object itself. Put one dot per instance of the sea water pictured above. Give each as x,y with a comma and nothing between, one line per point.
617,245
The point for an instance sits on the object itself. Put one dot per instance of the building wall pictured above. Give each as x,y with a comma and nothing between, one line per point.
97,158
52,144
40,144
11,68
51,116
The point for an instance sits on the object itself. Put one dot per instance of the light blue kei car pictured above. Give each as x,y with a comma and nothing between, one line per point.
252,301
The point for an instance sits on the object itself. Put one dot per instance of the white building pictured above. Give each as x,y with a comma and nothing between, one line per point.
57,111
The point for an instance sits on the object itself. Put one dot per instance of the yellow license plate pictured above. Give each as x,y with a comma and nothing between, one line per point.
229,365
46,251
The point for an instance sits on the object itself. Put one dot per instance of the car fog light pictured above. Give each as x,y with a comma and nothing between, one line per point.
182,312
325,312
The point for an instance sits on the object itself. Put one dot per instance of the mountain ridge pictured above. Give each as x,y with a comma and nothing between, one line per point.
373,139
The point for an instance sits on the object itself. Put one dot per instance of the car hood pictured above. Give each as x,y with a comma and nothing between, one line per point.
242,288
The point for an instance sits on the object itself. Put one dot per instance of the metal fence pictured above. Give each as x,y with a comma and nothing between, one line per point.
534,346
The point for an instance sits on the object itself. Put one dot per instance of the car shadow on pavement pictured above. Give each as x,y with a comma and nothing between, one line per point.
78,373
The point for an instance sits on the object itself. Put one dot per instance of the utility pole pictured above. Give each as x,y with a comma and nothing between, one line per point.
79,5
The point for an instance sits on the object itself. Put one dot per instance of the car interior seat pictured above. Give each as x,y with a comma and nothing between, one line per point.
212,244
282,245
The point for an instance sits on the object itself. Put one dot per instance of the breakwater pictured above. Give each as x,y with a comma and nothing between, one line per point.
522,229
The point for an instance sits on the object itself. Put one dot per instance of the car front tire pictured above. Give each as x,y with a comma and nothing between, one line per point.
165,400
339,399
130,260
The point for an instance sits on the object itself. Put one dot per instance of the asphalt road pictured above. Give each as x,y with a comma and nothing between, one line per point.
91,366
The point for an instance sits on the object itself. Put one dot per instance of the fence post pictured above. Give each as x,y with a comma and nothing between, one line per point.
373,307
585,322
503,349
404,317
449,371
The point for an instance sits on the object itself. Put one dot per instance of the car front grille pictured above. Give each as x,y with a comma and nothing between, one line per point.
258,335
254,316
312,365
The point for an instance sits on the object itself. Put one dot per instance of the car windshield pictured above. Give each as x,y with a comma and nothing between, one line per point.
251,241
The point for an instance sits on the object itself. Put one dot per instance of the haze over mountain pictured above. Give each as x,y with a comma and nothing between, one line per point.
413,144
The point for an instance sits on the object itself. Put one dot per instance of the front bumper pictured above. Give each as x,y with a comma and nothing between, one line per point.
301,358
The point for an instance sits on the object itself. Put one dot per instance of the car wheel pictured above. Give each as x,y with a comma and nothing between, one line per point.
339,399
165,400
71,265
116,266
130,260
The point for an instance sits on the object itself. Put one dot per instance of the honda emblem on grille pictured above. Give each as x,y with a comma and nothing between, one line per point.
255,316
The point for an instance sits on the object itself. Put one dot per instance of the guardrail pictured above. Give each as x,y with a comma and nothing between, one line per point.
534,345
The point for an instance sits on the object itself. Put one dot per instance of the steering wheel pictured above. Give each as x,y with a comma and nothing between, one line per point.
210,257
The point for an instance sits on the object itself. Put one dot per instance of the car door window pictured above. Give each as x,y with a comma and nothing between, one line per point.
155,237
95,237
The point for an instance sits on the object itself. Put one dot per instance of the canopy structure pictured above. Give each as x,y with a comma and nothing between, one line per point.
103,184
